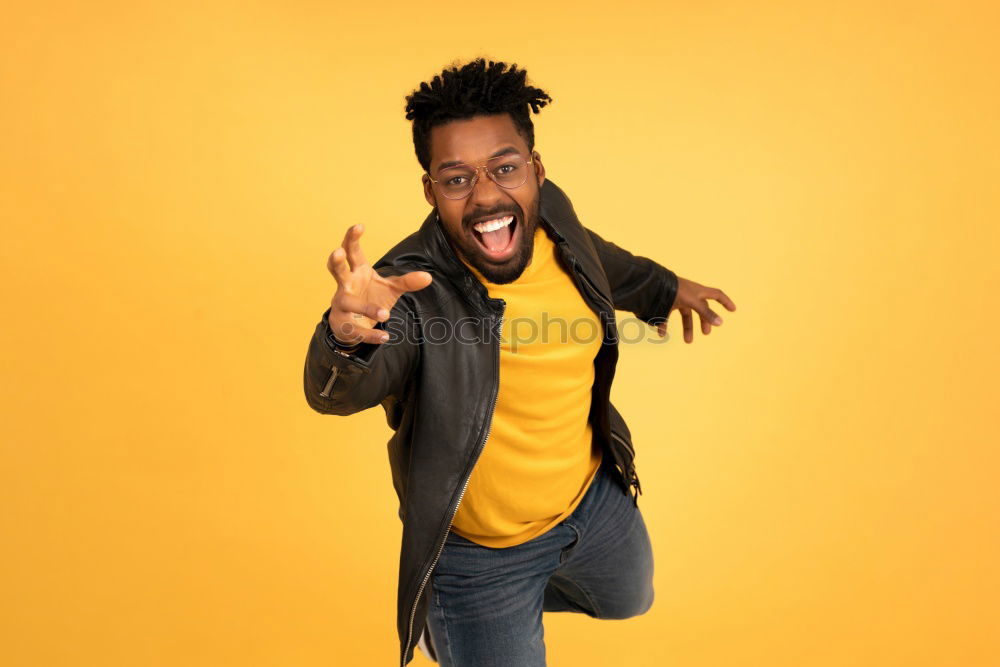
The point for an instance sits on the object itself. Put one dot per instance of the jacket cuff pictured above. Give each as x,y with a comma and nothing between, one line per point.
345,356
337,346
664,300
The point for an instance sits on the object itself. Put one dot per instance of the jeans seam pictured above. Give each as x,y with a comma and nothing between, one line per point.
446,649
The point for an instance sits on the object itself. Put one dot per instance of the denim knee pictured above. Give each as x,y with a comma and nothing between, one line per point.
637,607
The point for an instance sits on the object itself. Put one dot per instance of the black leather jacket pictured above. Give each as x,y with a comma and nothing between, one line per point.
439,396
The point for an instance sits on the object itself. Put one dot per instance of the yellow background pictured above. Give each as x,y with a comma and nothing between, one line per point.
819,473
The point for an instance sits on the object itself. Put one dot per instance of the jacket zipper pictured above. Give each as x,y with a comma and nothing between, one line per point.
334,372
634,481
623,441
465,485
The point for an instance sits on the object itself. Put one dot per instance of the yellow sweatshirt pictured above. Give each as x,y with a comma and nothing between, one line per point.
540,457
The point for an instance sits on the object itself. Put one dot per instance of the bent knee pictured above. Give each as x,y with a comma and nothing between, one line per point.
637,607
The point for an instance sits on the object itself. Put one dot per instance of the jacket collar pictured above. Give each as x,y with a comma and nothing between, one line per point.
440,252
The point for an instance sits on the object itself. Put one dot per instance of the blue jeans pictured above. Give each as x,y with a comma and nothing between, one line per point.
487,603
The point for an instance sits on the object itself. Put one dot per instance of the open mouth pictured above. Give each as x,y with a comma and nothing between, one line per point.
496,237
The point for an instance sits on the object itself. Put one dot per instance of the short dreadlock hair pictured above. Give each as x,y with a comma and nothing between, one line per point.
475,89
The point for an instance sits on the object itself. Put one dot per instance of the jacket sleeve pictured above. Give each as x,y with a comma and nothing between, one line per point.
340,383
638,284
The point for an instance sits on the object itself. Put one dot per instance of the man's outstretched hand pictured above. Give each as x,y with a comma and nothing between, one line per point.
694,297
364,297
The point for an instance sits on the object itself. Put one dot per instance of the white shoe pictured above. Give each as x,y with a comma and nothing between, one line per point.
426,646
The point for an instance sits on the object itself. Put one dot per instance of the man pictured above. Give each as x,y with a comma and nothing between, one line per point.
512,467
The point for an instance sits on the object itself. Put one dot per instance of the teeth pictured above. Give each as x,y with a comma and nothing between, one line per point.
493,225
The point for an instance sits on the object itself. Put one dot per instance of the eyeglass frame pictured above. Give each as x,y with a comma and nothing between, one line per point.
475,179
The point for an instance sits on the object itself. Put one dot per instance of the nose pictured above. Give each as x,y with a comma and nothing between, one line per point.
485,191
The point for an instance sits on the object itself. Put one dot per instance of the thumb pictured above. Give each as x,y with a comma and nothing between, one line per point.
412,281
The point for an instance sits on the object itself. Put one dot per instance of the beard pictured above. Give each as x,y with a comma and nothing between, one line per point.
464,242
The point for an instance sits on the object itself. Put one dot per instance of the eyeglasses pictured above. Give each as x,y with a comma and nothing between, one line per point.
507,171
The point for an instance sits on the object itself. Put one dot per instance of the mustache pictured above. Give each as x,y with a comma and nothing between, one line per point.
479,215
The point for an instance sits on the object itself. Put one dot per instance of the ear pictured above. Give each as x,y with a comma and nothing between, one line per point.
428,190
539,167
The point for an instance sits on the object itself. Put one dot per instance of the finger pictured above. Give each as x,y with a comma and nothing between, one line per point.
350,303
352,334
706,324
688,325
661,329
337,265
708,316
713,317
352,245
409,282
721,297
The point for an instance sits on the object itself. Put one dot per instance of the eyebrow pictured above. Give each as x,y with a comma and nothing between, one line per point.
506,150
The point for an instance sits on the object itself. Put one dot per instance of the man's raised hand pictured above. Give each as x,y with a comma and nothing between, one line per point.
364,297
693,297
